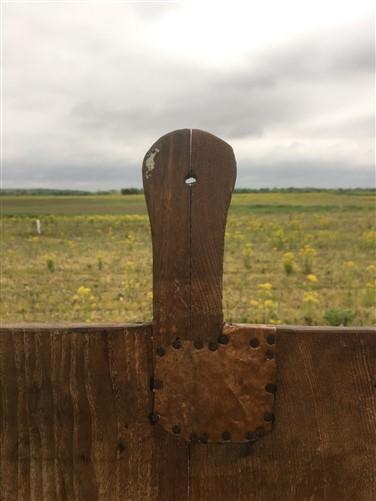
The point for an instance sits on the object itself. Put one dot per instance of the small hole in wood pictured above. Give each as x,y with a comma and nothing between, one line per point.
190,180
213,346
250,436
269,417
254,342
269,355
176,344
198,344
270,339
161,351
153,418
155,384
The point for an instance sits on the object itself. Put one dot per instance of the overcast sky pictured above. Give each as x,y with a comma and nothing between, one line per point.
89,86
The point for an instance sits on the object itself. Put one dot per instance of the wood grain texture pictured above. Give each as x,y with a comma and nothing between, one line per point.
165,168
323,446
214,165
73,422
74,417
188,225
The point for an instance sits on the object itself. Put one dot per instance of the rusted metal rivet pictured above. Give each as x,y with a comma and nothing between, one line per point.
223,339
250,436
160,351
254,342
260,432
226,435
176,344
270,339
155,384
213,346
269,355
271,388
204,438
194,438
268,416
153,418
176,429
198,344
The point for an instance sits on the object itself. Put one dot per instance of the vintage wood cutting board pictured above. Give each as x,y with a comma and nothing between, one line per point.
213,382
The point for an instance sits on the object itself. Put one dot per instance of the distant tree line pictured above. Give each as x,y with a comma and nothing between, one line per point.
52,192
138,191
350,191
131,191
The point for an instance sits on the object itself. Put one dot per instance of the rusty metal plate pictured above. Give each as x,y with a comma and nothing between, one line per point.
218,392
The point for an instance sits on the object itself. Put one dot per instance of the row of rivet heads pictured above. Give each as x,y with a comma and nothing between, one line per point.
222,339
250,436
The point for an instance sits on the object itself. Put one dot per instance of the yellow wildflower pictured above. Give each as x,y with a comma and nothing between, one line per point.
288,262
307,250
83,291
268,303
289,256
371,268
266,286
312,278
369,238
311,298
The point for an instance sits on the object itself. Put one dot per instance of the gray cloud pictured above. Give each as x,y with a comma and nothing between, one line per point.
320,176
84,100
245,102
256,176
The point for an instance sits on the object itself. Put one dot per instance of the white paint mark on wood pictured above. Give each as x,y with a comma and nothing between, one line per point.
149,162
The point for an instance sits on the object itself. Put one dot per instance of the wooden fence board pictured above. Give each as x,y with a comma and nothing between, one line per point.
165,168
74,425
188,228
323,447
74,417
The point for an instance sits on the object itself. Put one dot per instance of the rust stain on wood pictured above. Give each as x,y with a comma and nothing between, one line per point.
218,391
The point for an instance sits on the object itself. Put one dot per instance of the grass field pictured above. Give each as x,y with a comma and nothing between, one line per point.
298,258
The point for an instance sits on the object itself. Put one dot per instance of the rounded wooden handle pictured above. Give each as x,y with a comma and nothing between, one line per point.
188,177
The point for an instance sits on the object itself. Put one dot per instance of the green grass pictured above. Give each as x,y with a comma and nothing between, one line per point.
72,206
93,259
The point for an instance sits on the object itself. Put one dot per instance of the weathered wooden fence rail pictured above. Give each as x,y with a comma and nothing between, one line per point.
75,402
